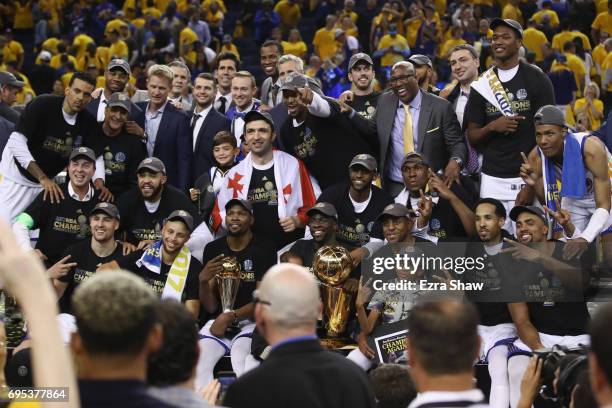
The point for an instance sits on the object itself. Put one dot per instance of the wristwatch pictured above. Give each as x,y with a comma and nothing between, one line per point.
459,161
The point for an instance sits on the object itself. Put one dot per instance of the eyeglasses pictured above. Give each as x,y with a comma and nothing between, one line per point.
257,299
402,79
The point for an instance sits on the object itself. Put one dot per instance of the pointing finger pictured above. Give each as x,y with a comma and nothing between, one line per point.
525,160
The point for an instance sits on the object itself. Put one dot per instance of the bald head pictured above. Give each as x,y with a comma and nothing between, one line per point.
293,295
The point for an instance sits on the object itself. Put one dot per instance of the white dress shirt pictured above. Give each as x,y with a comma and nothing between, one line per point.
228,101
199,120
101,108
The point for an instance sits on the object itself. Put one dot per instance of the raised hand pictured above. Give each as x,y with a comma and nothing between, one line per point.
527,172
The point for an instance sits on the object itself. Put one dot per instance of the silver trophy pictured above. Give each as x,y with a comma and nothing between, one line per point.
228,282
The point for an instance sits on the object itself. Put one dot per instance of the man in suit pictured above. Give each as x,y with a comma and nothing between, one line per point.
269,53
303,374
409,119
167,128
225,68
116,77
444,372
206,122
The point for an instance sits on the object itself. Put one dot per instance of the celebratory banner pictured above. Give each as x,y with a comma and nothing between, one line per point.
491,88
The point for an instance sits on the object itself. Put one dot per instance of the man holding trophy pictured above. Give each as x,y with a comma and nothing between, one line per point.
234,266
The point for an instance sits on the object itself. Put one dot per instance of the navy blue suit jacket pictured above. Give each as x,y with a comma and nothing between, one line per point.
203,158
135,113
173,145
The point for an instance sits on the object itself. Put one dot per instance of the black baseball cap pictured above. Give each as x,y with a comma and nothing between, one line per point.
246,204
508,22
396,210
106,208
120,99
181,215
356,58
119,63
326,209
414,157
365,160
294,81
535,210
420,60
152,163
257,115
549,115
85,152
6,78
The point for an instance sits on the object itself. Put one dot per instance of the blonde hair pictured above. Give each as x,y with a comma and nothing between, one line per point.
246,74
161,71
592,85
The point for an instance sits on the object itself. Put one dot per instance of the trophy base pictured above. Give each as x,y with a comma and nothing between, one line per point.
336,343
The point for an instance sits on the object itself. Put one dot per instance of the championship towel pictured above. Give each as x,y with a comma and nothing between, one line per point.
573,176
177,276
490,87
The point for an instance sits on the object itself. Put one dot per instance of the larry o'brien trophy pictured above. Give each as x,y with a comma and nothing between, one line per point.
332,265
228,282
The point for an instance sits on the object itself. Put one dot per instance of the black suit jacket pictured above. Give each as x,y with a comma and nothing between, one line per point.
439,134
173,145
203,158
135,112
302,374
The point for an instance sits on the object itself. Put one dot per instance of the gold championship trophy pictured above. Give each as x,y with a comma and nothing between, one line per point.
228,283
332,265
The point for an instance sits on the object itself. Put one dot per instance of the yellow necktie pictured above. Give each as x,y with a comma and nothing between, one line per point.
408,135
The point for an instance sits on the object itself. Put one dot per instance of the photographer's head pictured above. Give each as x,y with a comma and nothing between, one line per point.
393,386
176,360
443,344
287,303
600,357
117,326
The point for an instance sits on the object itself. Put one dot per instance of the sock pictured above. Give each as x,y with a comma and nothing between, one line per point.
516,369
498,371
241,349
210,353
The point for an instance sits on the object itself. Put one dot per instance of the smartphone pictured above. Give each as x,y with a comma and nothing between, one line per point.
225,378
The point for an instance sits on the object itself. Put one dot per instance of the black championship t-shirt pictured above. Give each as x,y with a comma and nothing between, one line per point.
553,307
50,138
488,302
255,260
326,145
87,262
142,225
122,155
444,222
61,224
365,105
502,152
157,281
263,195
355,229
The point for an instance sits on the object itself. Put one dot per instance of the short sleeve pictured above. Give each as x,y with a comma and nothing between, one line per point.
32,116
192,289
475,109
128,262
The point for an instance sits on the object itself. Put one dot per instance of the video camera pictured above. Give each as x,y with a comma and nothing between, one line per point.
569,361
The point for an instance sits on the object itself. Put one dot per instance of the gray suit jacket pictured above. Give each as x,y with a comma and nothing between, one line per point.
439,135
265,90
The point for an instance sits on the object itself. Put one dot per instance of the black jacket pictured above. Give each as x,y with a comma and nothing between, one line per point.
302,374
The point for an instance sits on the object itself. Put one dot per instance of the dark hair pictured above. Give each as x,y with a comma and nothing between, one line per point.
227,56
467,47
583,396
569,45
500,210
393,387
174,362
444,336
83,76
600,330
208,76
273,43
224,137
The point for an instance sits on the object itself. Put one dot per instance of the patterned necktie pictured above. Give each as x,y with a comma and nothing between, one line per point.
408,133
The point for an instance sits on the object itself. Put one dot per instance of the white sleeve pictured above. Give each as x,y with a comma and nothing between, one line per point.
22,235
319,106
200,237
18,144
100,172
598,221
